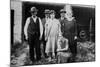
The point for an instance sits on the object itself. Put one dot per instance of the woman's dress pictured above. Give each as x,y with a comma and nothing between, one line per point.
52,32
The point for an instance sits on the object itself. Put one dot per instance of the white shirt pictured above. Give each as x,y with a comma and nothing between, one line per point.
27,23
34,18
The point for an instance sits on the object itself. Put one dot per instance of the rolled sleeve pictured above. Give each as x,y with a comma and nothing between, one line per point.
26,26
41,27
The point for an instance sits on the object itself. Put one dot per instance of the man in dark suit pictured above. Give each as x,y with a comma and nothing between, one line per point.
33,32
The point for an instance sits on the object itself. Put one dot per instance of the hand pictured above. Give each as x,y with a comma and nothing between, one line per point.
75,37
26,37
58,50
46,38
40,38
53,55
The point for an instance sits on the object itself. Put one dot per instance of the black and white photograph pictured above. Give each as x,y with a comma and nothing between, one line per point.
45,33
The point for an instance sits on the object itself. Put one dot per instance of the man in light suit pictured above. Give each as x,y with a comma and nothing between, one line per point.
44,20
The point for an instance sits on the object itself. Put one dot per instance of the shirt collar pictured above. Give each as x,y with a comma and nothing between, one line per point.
34,17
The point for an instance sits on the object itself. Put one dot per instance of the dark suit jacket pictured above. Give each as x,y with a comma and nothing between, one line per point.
68,29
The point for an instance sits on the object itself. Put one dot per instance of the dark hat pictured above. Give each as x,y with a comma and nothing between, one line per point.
52,11
33,9
62,11
47,11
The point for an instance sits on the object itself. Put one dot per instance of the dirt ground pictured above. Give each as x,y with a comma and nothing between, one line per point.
20,55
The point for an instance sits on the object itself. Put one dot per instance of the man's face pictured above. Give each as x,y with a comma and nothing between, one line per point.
62,14
34,13
47,15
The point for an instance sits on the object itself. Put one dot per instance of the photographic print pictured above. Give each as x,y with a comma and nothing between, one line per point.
51,33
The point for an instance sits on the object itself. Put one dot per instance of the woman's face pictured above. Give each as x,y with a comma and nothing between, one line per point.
47,15
69,14
52,15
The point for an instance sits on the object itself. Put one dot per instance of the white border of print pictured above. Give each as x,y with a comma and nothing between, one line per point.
5,33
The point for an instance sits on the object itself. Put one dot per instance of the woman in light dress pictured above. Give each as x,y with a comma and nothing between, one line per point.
52,32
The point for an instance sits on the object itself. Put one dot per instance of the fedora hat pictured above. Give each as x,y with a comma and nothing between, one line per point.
52,11
62,11
33,9
47,11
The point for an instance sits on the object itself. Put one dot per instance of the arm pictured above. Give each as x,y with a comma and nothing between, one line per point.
46,30
41,28
75,28
58,45
25,27
59,29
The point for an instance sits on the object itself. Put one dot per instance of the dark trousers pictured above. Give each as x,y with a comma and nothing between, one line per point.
44,44
73,47
44,47
34,47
